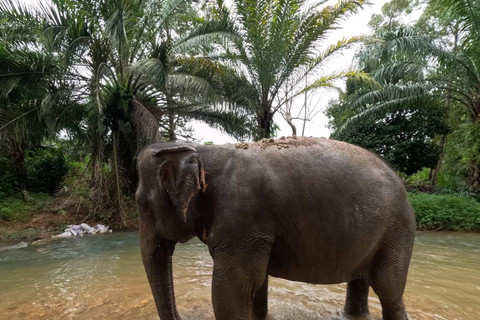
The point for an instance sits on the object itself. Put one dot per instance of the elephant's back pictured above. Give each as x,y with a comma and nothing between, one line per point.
327,152
328,205
333,204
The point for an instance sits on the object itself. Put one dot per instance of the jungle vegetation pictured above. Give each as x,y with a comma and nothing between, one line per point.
84,85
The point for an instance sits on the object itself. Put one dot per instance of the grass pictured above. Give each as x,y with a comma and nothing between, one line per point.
446,212
14,209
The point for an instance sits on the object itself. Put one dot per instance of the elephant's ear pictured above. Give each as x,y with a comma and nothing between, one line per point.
181,175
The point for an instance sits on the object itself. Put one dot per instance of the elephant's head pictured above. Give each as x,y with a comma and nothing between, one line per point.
169,179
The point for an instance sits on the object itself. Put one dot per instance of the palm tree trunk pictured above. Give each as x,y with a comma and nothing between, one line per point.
265,124
18,158
171,127
474,179
120,214
473,182
434,176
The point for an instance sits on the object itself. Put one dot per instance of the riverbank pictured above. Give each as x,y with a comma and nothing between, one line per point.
445,212
39,226
44,216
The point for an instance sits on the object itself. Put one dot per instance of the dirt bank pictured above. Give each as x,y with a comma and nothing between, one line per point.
52,219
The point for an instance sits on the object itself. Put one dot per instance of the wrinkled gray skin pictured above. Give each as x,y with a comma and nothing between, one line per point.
319,211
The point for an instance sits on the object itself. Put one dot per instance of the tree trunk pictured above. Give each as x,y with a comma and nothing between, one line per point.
18,158
171,127
305,109
433,180
120,214
473,182
288,116
126,152
290,123
474,179
265,125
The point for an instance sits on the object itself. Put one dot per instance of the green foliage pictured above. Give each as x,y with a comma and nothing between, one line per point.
465,143
7,179
404,138
448,181
76,183
420,180
276,47
449,212
391,15
13,209
451,181
116,75
46,167
449,66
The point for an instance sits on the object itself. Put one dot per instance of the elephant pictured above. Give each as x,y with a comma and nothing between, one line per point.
313,210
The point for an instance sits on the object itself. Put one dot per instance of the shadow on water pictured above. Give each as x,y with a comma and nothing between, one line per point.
102,277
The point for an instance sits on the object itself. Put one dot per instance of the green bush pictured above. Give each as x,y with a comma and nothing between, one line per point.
45,169
443,211
13,209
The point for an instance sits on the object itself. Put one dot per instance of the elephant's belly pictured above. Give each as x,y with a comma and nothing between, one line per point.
309,275
319,267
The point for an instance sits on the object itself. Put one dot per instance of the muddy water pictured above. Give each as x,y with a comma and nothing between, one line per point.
101,277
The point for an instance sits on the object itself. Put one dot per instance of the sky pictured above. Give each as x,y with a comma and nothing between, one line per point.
354,26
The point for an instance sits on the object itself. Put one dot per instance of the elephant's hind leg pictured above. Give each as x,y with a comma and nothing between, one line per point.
390,292
356,304
388,282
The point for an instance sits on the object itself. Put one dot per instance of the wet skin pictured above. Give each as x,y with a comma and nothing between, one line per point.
311,210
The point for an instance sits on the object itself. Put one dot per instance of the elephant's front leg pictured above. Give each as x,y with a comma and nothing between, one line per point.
240,286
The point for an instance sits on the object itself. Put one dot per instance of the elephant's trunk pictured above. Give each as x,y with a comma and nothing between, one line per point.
157,260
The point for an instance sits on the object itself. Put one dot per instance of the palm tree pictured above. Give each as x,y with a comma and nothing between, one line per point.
124,62
277,42
26,76
450,73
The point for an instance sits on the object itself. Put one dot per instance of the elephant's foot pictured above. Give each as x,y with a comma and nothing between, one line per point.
356,304
393,310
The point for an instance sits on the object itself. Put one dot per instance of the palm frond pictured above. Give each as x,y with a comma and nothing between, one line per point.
206,35
326,81
383,108
320,59
153,69
23,67
168,7
467,11
229,122
190,85
146,118
393,92
115,27
25,113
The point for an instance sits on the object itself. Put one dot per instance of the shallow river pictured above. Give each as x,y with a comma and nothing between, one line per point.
102,277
